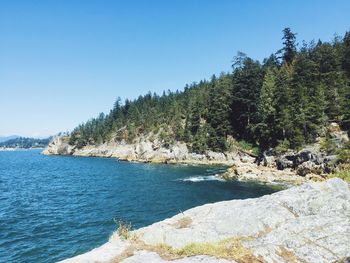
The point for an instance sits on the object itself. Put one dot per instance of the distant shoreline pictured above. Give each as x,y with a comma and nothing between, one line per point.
10,149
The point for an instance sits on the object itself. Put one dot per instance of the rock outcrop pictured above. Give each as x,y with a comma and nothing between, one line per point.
59,146
307,161
311,159
308,223
142,150
250,171
242,166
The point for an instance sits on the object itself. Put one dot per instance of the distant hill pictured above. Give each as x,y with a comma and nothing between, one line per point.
23,142
6,138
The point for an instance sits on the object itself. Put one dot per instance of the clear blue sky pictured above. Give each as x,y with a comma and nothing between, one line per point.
62,62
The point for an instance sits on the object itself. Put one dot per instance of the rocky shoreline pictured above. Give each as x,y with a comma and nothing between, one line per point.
290,167
143,150
241,166
307,223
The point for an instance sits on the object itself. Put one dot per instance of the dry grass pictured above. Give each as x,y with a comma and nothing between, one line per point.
123,230
230,249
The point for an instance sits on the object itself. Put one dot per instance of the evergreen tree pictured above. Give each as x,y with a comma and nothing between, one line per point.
289,49
346,55
308,98
345,107
264,129
283,103
219,111
247,81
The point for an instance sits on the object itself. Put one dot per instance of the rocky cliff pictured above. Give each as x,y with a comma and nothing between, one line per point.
242,165
308,223
143,150
292,167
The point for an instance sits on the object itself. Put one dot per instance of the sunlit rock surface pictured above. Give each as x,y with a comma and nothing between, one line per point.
307,223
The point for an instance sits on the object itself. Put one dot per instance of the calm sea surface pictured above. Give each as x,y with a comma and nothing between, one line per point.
54,207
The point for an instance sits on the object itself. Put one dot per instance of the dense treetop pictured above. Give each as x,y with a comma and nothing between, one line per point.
285,101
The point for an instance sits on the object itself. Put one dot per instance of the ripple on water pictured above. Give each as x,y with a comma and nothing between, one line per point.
56,207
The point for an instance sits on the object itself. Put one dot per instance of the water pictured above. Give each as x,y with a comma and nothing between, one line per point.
54,207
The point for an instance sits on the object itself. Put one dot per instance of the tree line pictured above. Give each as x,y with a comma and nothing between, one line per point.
25,143
285,101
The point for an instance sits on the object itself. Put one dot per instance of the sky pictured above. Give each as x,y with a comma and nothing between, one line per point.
63,62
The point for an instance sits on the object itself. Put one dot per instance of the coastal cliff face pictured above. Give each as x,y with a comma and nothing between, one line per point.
143,150
308,223
291,166
242,165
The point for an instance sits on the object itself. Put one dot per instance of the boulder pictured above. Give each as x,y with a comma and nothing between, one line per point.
309,167
216,156
308,160
269,161
285,161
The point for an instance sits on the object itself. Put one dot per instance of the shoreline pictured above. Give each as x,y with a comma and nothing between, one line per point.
239,165
284,178
271,228
20,149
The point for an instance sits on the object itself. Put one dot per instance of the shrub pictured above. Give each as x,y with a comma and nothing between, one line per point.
344,153
245,146
342,172
282,146
328,145
124,229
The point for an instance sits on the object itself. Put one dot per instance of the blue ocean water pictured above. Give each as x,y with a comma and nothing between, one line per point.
54,207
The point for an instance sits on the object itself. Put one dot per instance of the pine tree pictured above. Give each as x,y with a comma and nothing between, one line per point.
283,103
247,82
308,97
345,106
219,111
346,53
264,129
289,50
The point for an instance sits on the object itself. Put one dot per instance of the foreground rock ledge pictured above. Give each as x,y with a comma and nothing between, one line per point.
307,223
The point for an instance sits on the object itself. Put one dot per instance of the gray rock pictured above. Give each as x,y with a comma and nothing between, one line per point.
338,136
105,253
146,256
284,162
142,150
309,223
269,161
59,146
216,156
309,167
306,161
